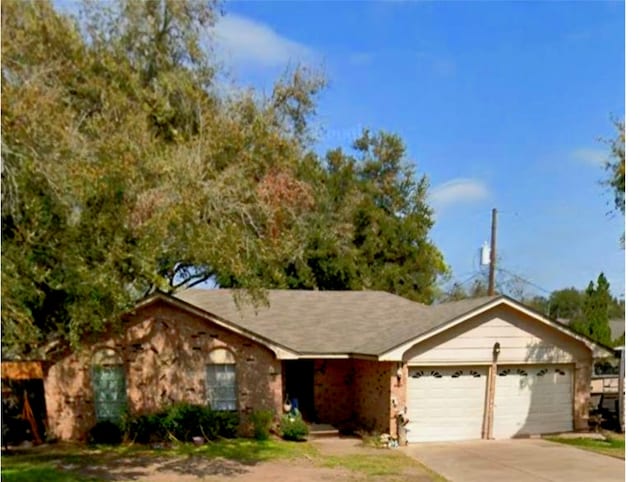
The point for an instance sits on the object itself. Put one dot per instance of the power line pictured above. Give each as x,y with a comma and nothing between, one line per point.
521,278
462,283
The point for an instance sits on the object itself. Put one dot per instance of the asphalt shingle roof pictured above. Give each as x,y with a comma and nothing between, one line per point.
331,322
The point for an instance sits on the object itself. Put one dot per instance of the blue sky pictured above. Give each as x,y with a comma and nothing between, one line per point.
500,105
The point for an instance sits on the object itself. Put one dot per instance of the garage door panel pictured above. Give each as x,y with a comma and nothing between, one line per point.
445,403
533,400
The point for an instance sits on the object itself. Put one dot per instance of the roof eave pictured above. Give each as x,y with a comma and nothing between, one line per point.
281,352
396,353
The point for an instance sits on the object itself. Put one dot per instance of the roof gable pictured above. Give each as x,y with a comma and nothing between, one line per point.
598,350
330,323
375,324
280,351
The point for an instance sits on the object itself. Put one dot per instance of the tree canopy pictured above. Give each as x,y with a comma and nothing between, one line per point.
371,223
593,320
125,171
122,171
615,166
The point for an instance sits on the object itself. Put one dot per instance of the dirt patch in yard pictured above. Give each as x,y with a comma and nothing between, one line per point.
202,469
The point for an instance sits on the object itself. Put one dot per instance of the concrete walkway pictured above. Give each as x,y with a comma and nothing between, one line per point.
530,460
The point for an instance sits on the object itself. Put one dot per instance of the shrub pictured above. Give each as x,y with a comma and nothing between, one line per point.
261,420
225,424
147,428
105,432
293,427
183,421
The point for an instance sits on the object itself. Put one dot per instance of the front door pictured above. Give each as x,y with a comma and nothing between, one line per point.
298,376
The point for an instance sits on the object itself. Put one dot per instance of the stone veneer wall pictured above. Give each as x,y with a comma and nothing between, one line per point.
398,396
582,394
165,351
367,393
372,394
333,391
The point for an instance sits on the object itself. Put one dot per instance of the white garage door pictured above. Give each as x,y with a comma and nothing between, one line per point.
533,400
445,403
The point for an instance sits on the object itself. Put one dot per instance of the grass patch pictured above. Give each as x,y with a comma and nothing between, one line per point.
70,462
386,463
614,444
80,463
14,470
246,450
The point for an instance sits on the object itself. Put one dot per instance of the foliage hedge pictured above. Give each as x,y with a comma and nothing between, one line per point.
181,421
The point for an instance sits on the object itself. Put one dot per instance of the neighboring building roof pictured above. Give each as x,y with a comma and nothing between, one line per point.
617,328
332,322
616,325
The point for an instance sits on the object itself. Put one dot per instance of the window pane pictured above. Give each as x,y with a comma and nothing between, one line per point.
110,395
221,386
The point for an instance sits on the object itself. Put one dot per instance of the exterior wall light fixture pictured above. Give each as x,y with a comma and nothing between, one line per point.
496,348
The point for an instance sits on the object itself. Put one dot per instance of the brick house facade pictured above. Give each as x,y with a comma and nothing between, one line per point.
351,358
164,352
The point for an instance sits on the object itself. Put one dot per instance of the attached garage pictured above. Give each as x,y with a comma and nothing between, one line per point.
448,403
532,400
501,372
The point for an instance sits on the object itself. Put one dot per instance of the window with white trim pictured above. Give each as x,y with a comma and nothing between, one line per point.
221,380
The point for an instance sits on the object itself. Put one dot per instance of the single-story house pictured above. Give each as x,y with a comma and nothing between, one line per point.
478,368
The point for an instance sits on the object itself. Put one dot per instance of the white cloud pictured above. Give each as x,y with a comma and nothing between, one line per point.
250,43
459,191
591,156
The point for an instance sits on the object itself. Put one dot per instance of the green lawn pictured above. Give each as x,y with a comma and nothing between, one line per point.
384,464
81,463
613,445
67,462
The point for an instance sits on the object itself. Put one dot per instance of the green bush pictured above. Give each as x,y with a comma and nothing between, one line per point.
147,428
261,420
105,432
182,421
293,427
225,424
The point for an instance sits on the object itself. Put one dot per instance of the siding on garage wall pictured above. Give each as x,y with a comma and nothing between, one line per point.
522,340
165,351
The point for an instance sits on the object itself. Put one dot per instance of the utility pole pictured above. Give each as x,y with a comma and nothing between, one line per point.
492,254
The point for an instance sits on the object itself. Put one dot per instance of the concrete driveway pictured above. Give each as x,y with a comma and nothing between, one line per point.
525,460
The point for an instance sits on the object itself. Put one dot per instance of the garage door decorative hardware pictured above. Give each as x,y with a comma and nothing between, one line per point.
542,372
505,372
474,374
421,373
560,372
457,373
